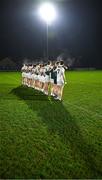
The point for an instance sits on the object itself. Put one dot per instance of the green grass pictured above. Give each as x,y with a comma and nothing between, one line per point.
42,138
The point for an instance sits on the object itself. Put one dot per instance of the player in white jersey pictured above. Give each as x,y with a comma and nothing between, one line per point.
41,77
33,77
29,78
61,80
47,78
23,74
37,76
52,78
27,75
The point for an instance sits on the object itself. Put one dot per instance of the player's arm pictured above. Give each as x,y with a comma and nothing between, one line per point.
22,69
65,67
64,77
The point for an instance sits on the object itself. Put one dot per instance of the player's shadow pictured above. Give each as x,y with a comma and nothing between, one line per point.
59,120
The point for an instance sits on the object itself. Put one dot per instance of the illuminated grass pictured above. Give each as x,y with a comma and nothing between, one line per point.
43,138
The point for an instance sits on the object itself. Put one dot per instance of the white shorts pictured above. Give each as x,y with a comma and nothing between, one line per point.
60,82
35,77
26,75
42,79
32,76
23,74
52,81
39,77
47,78
29,75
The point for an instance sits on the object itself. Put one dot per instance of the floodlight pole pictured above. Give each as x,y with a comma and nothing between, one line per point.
47,43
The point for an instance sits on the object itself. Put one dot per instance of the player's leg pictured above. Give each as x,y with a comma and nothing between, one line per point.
38,83
54,89
60,88
46,88
43,83
61,91
29,80
46,85
26,79
33,81
51,86
22,78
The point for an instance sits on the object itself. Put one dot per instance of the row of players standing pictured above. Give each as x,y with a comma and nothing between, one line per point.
48,78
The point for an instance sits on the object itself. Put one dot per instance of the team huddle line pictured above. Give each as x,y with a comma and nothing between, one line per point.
48,78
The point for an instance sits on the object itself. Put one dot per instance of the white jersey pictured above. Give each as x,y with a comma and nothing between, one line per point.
60,74
24,69
30,68
41,71
33,73
33,70
47,73
37,70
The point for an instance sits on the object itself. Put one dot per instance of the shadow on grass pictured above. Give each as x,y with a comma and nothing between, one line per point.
59,120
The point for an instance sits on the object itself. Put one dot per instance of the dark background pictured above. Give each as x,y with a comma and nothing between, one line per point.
77,32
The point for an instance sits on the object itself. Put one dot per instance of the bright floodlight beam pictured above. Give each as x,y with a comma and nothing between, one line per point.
47,12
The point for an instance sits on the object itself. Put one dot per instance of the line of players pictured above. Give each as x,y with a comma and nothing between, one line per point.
48,78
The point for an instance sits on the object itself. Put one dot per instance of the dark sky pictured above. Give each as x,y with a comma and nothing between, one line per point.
77,30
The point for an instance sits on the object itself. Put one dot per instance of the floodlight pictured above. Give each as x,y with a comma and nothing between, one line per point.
47,12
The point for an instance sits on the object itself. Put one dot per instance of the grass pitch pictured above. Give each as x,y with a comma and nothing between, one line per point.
43,138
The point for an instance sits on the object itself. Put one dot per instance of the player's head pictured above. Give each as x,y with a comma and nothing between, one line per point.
49,63
41,65
62,63
45,64
34,65
57,63
27,66
54,65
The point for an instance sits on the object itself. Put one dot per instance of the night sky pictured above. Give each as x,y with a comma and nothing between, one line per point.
77,30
